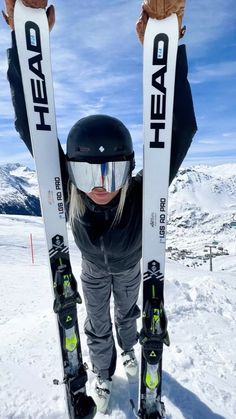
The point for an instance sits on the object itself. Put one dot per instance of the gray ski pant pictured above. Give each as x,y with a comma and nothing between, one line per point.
97,287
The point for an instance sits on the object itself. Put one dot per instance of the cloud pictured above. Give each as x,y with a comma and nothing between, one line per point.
217,144
212,150
93,25
206,159
207,22
15,157
213,72
97,68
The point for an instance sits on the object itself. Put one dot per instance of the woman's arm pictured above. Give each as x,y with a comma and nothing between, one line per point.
184,122
18,100
17,94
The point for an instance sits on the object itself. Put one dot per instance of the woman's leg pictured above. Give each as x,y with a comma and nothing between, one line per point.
126,289
98,326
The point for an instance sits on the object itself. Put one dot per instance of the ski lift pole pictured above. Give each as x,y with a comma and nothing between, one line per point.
31,248
211,246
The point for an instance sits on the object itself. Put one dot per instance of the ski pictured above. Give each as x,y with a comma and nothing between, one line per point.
159,62
33,45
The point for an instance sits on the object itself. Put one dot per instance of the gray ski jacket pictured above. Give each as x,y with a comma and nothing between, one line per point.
114,248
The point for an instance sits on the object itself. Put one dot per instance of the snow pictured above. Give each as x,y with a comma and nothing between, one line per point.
199,379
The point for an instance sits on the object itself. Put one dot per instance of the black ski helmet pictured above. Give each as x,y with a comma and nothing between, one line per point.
99,139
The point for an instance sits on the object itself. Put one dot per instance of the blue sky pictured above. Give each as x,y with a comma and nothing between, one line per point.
97,68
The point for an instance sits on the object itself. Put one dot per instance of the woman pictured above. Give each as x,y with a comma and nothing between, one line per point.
104,206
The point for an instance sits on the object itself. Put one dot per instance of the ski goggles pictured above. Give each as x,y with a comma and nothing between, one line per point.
109,175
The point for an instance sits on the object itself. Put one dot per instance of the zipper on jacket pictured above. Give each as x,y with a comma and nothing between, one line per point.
102,246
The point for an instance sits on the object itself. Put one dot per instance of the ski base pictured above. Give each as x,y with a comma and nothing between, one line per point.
82,407
154,415
158,411
153,411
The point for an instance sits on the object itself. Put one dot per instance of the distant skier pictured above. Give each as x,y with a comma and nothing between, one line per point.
104,205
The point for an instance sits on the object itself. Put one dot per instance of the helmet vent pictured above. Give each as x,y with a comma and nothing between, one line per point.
119,148
83,149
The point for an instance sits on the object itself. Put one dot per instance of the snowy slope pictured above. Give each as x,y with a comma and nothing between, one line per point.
199,367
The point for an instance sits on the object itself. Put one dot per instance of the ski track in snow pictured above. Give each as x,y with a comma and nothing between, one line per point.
199,378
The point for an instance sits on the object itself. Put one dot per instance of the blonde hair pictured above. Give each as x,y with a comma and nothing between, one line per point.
77,206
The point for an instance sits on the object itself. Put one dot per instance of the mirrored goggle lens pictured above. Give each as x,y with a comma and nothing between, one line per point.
111,175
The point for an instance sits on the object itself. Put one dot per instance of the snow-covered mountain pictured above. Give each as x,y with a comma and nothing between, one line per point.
196,195
18,190
200,193
202,203
202,208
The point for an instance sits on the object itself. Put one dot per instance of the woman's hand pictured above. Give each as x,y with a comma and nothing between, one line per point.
36,4
160,9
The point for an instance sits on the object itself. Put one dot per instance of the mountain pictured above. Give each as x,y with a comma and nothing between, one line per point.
200,192
18,190
202,207
201,200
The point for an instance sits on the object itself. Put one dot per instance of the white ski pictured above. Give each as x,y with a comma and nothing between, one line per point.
159,62
33,45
